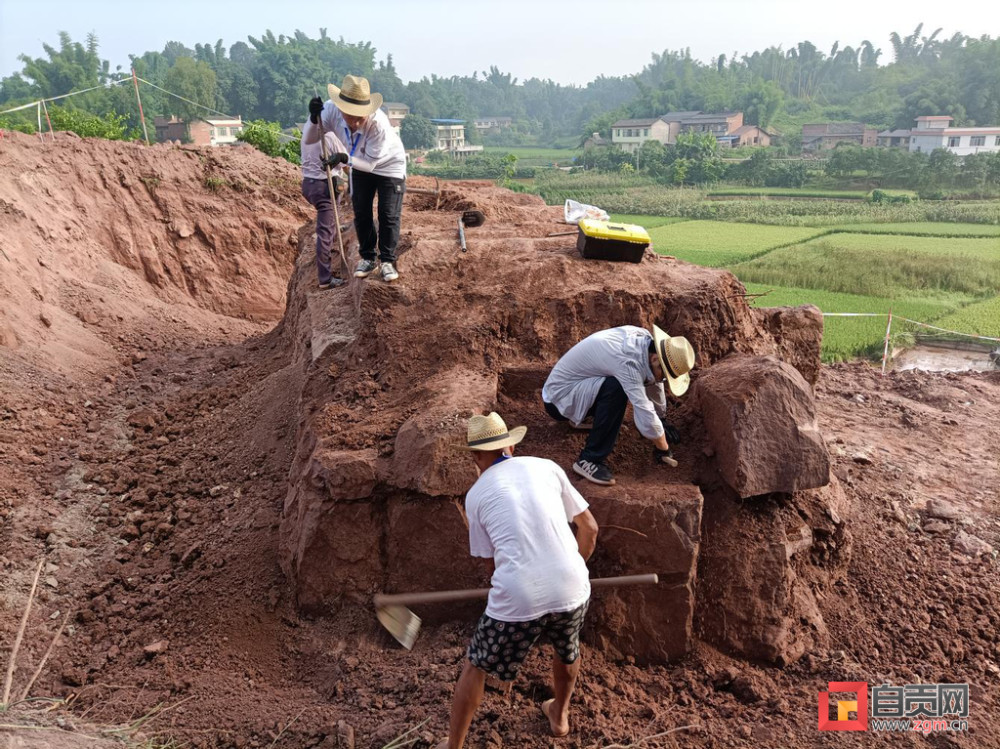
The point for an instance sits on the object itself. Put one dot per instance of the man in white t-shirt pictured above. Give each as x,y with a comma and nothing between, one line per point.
519,511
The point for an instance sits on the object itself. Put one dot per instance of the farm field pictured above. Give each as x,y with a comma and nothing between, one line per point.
786,192
531,156
925,229
841,263
720,244
982,318
649,222
800,192
947,274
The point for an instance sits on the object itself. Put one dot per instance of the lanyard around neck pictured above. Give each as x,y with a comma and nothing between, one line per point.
353,141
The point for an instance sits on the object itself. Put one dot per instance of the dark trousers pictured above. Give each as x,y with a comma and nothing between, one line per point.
607,412
317,192
390,207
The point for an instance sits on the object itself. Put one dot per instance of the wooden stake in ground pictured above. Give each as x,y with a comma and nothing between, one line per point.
20,636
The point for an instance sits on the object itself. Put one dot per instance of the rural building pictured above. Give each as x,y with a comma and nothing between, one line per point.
826,135
451,137
746,135
594,141
493,124
629,135
200,132
396,112
674,122
450,134
718,124
933,131
893,139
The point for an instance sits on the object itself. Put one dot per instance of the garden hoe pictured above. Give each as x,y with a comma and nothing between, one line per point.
436,192
468,219
332,187
404,625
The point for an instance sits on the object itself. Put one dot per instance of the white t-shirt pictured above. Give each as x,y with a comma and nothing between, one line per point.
519,512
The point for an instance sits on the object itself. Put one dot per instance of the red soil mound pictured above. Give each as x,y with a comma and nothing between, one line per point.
157,495
101,239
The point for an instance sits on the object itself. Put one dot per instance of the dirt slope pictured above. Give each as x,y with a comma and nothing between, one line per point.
105,241
156,496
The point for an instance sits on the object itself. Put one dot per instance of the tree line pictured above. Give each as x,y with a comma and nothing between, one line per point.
272,77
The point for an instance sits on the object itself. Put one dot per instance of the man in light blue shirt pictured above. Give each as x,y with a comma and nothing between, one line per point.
606,371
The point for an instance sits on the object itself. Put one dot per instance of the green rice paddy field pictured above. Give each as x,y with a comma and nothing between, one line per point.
947,274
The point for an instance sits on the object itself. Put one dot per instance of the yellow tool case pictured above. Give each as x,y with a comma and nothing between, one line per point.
608,240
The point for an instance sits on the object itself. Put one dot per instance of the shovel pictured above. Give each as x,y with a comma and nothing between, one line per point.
404,625
471,219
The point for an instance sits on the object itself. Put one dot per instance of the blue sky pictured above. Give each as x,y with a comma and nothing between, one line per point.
569,42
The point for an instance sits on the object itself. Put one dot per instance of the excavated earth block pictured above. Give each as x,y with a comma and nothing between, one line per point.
760,417
762,563
393,371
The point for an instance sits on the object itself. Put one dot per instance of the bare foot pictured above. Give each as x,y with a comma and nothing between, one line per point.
558,729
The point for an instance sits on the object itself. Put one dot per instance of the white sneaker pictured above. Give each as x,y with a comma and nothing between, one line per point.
389,272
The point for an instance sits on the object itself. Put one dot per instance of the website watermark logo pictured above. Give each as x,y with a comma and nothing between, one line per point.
924,708
858,706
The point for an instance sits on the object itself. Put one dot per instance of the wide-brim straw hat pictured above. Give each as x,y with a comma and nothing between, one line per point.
355,96
490,433
677,359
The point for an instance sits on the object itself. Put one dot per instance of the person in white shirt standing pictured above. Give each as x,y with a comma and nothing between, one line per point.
606,371
376,159
316,189
519,511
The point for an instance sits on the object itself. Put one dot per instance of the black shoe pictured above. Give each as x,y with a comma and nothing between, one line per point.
596,472
332,284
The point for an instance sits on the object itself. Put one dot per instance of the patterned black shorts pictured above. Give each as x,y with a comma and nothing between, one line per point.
499,648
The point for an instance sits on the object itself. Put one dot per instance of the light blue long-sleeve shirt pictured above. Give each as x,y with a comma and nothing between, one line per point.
622,353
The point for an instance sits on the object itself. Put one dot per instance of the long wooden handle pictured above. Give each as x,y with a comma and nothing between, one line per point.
443,596
461,234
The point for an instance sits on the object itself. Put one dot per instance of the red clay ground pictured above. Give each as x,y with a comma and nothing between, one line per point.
153,485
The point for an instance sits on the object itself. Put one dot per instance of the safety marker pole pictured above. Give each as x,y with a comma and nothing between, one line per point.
38,109
142,117
885,351
51,131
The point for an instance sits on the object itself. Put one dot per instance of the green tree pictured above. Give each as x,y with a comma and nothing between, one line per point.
268,138
761,102
942,168
699,157
111,126
194,81
417,132
844,160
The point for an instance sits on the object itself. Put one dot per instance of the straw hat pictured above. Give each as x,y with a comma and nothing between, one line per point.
491,433
676,357
355,96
